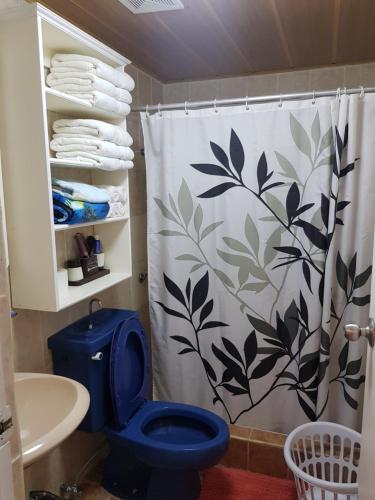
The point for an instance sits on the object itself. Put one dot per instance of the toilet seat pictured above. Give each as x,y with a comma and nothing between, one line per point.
205,434
129,371
160,434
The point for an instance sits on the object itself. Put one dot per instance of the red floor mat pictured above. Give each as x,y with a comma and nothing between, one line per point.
222,483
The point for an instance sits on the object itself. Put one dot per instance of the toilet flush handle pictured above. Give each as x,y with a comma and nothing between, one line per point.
97,356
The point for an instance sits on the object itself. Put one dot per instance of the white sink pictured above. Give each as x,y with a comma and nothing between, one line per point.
49,408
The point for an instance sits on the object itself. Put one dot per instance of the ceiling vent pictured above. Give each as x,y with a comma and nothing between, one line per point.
146,6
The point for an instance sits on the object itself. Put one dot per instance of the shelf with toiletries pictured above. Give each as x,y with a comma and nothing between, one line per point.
76,294
37,42
114,242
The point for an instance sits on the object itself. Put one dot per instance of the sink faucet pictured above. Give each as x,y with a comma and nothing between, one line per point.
91,310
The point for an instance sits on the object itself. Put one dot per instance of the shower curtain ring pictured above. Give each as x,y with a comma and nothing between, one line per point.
159,110
345,92
281,101
362,94
247,103
338,93
147,112
313,97
186,110
215,108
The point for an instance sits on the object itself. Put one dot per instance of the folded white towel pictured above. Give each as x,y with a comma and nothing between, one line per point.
80,191
95,66
86,82
93,128
117,209
102,148
101,162
103,101
117,194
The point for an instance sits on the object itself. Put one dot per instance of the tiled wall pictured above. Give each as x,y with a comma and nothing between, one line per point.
31,329
256,451
272,83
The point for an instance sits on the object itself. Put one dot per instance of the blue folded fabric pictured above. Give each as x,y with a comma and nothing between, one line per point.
67,211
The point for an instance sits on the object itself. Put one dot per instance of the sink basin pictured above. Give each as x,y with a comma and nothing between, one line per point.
49,409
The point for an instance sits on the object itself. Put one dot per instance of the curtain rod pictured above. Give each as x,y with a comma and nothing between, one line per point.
253,100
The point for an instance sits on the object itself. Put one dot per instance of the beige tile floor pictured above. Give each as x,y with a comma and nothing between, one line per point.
93,491
91,486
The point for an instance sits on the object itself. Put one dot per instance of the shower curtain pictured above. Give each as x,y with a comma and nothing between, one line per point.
260,236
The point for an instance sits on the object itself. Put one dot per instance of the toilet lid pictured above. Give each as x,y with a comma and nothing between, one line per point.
129,370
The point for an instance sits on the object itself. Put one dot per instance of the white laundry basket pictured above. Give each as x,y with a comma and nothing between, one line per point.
324,459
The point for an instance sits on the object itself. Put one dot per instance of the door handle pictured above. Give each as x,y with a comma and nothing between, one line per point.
353,332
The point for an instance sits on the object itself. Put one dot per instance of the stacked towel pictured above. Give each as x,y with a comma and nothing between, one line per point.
80,191
93,146
76,82
68,211
106,146
101,162
90,79
87,64
103,101
117,200
93,128
76,202
115,193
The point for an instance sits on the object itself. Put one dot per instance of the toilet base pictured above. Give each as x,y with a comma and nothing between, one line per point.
172,484
125,476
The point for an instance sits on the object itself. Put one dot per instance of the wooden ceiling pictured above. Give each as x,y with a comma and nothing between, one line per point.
211,38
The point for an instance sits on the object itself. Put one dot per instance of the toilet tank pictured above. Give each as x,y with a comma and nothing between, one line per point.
82,353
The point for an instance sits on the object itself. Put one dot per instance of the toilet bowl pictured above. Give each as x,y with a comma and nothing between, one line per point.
175,441
174,435
157,447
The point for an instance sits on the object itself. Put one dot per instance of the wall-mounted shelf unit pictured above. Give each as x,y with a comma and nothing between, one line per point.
29,36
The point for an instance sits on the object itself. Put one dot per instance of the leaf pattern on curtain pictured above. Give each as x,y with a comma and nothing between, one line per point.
277,344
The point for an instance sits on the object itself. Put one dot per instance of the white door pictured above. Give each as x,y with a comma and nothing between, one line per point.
367,461
6,480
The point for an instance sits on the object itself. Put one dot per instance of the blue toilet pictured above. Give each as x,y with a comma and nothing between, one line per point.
157,447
